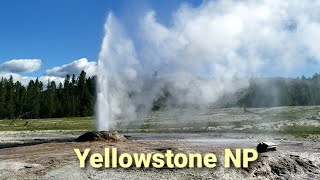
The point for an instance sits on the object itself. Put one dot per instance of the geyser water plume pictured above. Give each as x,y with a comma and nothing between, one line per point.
102,109
102,104
117,76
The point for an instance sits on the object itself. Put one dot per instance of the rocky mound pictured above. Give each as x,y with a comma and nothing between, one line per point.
285,167
112,136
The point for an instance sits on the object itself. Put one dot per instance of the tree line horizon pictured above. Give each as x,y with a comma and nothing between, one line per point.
75,97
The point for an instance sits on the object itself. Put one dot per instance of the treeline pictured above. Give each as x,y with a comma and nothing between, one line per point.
75,97
261,92
269,92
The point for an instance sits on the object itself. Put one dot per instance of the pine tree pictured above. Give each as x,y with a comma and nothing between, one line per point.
19,99
9,103
29,98
3,93
86,101
59,106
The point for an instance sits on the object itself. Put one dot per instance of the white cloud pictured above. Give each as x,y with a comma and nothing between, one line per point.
44,80
21,65
15,67
74,67
26,79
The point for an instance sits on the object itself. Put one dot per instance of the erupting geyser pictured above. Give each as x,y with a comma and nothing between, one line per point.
102,107
114,73
103,114
103,111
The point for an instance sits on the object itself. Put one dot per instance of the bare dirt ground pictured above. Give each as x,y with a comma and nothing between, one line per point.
32,155
50,154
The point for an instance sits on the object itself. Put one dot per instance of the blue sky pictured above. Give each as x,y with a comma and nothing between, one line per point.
213,38
59,31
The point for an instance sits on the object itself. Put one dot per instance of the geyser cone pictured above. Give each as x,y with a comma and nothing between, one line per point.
112,136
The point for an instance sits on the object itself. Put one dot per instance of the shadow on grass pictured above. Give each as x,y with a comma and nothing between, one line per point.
35,142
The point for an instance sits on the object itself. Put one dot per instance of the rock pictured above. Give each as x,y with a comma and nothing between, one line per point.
112,136
266,146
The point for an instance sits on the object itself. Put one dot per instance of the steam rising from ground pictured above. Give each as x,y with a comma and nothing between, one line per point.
198,57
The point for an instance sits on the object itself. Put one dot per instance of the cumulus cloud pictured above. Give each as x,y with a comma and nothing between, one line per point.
17,67
74,67
21,65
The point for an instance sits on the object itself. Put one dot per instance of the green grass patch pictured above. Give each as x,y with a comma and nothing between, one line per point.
74,123
296,113
301,130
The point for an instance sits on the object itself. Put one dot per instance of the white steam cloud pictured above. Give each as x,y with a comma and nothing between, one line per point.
227,38
199,55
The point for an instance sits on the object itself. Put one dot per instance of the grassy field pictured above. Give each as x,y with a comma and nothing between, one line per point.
287,120
75,123
296,120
